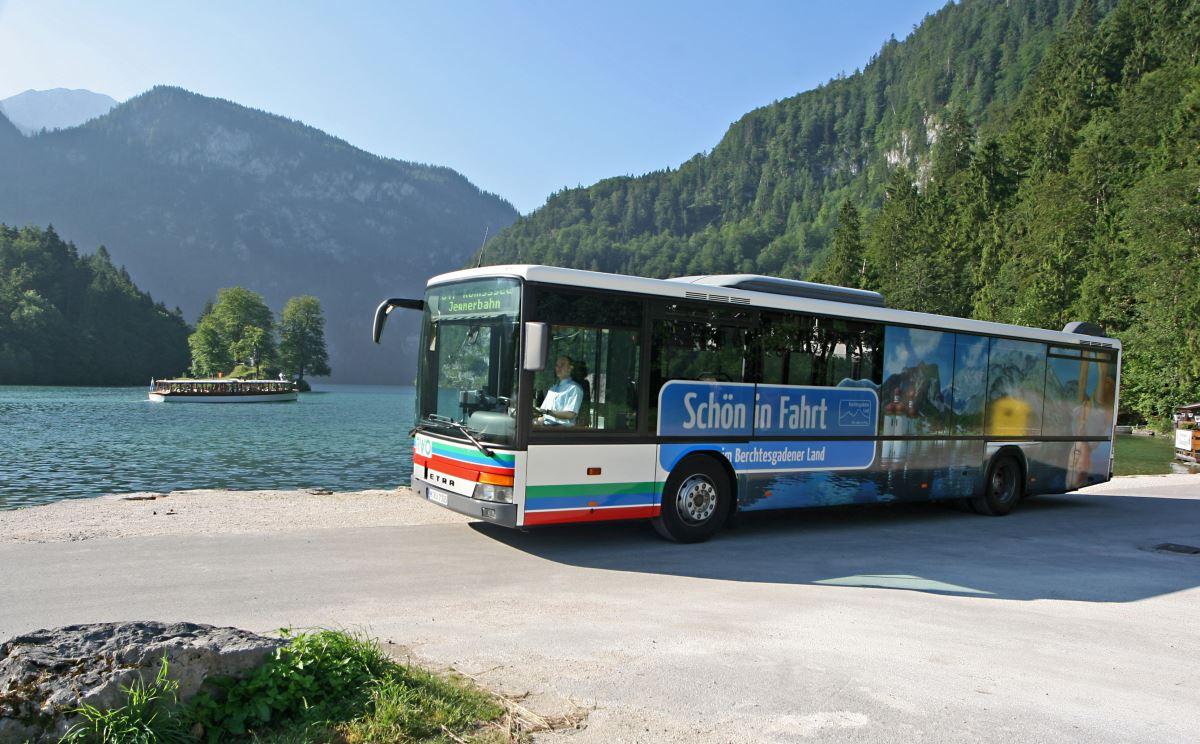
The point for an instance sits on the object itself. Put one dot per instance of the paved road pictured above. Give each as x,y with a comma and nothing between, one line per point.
1057,623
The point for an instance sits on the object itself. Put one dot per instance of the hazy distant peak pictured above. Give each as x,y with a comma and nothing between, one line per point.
58,108
7,128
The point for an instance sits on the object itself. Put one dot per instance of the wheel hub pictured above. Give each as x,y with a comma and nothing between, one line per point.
696,499
1003,483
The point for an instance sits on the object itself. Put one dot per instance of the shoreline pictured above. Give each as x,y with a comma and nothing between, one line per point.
217,512
224,512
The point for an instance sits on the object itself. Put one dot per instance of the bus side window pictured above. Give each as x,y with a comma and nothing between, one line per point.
918,377
970,381
851,352
788,342
696,350
1016,386
805,350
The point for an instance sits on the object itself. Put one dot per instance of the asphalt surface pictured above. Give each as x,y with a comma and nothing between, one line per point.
1059,623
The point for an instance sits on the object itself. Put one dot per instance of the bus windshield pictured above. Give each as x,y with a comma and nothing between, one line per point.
466,381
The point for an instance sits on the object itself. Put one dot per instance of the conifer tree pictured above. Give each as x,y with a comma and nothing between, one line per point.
846,263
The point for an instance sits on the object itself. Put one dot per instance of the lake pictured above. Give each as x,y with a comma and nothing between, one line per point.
63,443
66,443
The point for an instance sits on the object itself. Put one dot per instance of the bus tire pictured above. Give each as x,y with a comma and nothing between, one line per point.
695,501
1002,488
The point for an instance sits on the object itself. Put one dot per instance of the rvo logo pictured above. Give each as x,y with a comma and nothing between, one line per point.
423,447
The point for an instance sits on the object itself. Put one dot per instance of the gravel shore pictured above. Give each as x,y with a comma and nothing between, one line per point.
214,512
217,512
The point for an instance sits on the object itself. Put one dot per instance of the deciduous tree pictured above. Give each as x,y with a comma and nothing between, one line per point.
302,338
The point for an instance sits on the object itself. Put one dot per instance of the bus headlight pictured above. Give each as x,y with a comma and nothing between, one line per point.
489,492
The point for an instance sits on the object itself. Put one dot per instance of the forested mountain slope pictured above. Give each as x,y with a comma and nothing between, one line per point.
1086,206
765,199
1074,197
193,194
67,319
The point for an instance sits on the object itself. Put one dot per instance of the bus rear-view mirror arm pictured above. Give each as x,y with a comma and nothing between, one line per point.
386,307
537,346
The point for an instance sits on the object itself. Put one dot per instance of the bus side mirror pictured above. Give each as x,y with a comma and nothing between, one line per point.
385,309
537,346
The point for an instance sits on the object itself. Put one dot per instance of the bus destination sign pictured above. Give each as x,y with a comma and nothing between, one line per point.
475,300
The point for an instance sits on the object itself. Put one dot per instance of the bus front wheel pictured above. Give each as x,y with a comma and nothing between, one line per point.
1002,488
695,501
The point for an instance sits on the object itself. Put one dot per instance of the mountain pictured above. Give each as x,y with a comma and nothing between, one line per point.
60,108
765,198
192,194
1031,162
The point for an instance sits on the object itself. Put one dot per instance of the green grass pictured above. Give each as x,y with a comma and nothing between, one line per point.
149,715
1143,455
323,686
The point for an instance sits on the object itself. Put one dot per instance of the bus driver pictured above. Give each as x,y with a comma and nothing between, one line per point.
562,402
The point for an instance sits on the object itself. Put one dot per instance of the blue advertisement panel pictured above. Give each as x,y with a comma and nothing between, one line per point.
705,409
726,409
736,410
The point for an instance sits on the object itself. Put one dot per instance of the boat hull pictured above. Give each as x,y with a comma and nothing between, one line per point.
244,398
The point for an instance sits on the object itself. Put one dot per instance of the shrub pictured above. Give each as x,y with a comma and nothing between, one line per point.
319,687
331,685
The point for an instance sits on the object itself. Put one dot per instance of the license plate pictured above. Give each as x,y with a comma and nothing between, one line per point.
438,497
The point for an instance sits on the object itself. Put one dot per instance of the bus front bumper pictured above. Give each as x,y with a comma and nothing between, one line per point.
488,511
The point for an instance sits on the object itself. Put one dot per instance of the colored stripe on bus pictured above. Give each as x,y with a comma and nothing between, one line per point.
437,461
449,468
590,495
448,456
456,450
601,514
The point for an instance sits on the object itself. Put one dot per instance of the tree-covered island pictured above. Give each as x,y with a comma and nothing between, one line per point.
237,336
73,319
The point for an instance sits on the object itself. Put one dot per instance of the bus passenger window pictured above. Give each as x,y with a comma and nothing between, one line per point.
970,379
1016,385
689,350
918,370
806,350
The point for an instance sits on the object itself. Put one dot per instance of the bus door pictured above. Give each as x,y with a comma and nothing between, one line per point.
585,460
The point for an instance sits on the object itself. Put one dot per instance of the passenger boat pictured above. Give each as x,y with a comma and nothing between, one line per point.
222,391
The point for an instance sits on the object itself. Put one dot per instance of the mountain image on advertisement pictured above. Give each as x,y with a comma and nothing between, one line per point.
59,108
854,415
916,392
1013,373
192,194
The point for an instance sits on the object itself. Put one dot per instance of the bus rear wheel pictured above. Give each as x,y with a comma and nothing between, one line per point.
1002,489
695,501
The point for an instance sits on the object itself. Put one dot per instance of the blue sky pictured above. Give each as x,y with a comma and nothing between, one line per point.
522,98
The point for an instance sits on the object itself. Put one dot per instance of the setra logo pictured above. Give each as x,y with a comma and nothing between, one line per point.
435,477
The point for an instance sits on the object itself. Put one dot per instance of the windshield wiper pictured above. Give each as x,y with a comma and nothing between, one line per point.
434,418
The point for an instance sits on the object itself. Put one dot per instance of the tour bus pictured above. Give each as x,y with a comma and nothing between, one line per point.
550,396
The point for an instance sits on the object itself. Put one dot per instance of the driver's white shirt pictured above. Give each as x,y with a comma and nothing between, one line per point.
566,395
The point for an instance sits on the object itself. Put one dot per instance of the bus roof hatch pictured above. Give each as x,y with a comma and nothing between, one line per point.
790,287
